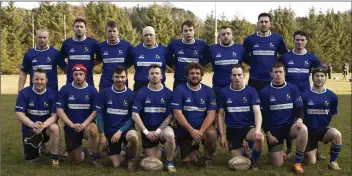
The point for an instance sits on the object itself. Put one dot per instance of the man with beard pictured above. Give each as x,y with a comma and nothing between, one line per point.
298,64
114,117
152,114
76,107
80,49
320,104
263,47
239,107
35,109
113,52
186,50
283,115
146,54
194,106
42,56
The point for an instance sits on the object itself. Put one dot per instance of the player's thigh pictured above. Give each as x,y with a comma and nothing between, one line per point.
235,137
167,134
250,133
73,139
114,148
330,134
53,129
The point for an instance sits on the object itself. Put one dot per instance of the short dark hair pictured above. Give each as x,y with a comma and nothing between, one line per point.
80,20
119,69
277,65
187,23
237,66
194,66
225,27
111,24
154,66
40,70
300,32
264,15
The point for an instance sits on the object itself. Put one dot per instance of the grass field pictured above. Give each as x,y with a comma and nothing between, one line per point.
12,162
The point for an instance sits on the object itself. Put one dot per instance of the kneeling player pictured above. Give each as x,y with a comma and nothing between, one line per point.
152,113
283,117
320,104
35,109
76,107
241,106
114,117
194,106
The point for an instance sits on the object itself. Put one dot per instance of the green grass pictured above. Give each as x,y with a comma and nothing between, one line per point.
12,162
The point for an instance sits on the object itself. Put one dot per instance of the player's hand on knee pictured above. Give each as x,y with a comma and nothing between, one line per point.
299,124
272,139
116,137
257,135
196,135
151,136
103,141
78,127
223,142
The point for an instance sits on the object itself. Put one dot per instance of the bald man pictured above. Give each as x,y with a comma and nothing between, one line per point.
145,54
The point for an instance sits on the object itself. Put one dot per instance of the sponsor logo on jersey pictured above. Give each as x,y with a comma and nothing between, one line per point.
71,97
229,100
188,100
34,60
256,45
310,102
110,102
218,55
272,98
181,52
290,62
105,53
31,103
141,56
72,50
147,100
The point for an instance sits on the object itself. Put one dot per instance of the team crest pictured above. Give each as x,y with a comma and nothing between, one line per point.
310,102
71,97
110,102
141,56
218,55
147,100
181,52
72,50
306,63
202,101
157,57
234,54
188,100
272,45
272,98
86,49
229,100
124,103
256,45
326,103
48,59
288,96
34,60
120,52
162,101
31,103
105,53
245,100
46,104
195,52
87,97
290,62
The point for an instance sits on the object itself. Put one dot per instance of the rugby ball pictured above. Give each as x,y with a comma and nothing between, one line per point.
151,164
239,163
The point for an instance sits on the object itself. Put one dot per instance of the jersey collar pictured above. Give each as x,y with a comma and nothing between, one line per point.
304,52
162,86
311,89
200,87
156,45
244,86
35,48
227,46
193,41
271,84
73,85
112,88
118,41
263,36
85,37
38,92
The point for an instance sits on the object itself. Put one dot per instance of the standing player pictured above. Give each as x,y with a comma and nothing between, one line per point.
283,117
42,56
114,117
329,70
113,51
298,64
152,114
35,109
146,54
320,104
186,50
263,47
241,105
194,106
80,49
76,107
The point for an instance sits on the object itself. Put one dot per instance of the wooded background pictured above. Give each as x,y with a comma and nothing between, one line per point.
329,32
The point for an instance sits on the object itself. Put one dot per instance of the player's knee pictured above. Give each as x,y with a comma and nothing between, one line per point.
93,131
210,135
169,135
133,139
303,130
337,136
54,129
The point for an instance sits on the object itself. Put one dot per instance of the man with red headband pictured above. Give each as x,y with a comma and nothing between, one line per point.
76,107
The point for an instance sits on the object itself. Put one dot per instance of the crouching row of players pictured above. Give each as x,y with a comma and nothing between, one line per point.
192,107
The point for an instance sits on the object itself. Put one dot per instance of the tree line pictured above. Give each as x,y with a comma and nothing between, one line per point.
329,32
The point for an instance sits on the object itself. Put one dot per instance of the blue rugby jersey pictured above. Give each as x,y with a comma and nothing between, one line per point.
319,108
263,51
37,107
238,106
193,103
277,105
143,57
111,56
222,59
80,52
48,60
116,108
77,103
153,106
180,54
298,67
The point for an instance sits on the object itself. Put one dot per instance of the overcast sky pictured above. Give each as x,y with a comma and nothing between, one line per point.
248,10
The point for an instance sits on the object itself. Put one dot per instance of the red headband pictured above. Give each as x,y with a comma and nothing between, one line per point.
79,67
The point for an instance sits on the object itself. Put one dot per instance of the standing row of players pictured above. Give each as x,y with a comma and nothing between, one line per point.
258,50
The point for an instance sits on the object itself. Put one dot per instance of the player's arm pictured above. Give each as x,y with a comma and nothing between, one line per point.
51,120
25,68
247,51
181,119
211,109
97,59
94,104
282,47
24,119
170,57
62,115
90,118
221,120
165,123
22,80
257,117
137,119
